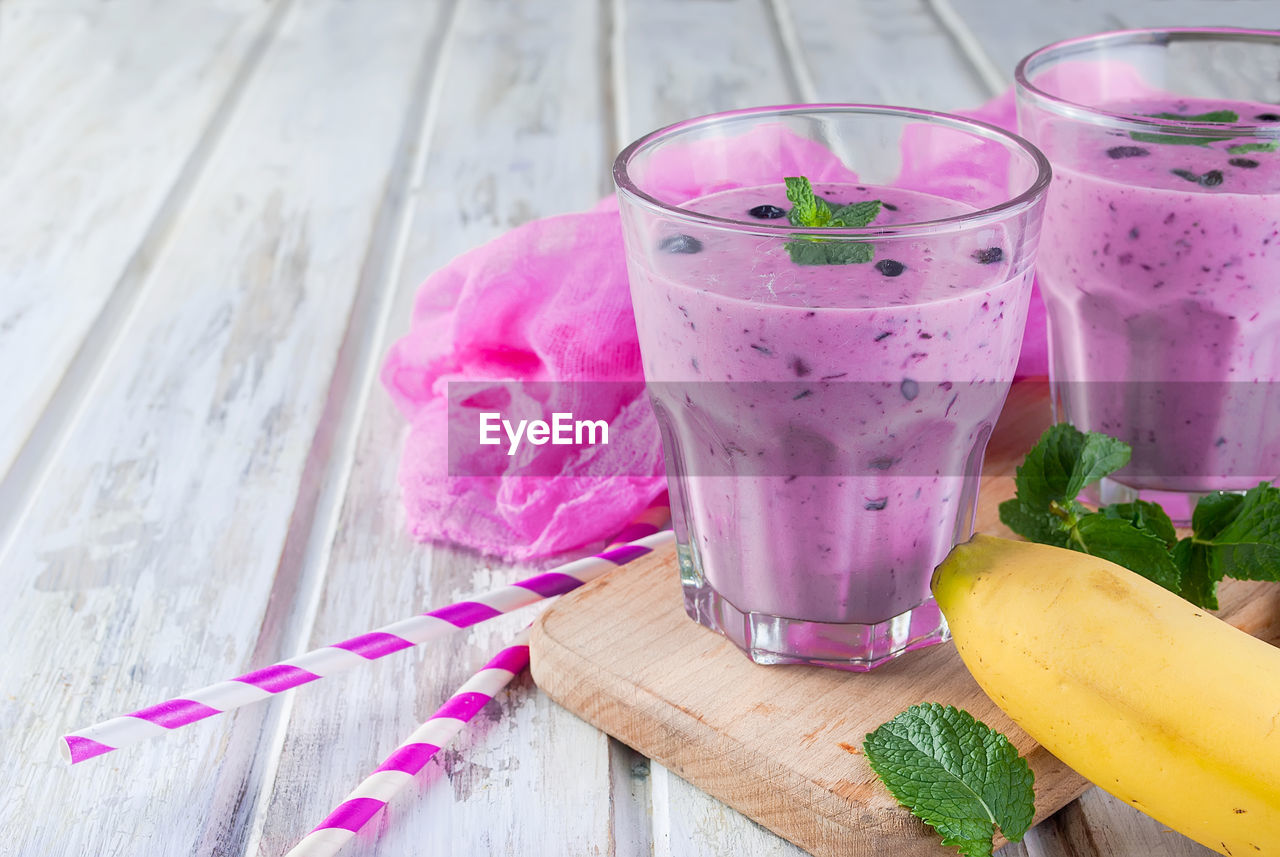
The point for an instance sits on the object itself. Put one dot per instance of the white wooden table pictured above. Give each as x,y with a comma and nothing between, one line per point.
213,217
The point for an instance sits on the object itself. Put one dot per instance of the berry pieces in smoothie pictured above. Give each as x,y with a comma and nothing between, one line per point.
1268,117
1244,163
989,256
767,212
890,267
910,389
1117,152
680,244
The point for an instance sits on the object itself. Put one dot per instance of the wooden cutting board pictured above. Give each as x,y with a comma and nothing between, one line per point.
781,743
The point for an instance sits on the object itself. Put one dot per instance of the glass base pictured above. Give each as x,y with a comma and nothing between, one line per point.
856,647
1178,504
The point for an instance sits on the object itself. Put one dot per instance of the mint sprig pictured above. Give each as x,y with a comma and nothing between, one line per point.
1217,117
1233,535
810,210
1220,117
956,774
1246,148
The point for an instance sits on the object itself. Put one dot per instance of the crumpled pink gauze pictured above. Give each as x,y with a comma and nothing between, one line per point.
549,301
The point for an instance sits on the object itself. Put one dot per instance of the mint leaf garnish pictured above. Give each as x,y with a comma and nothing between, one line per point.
1223,117
856,215
1233,535
810,210
956,774
1246,148
1172,139
1218,117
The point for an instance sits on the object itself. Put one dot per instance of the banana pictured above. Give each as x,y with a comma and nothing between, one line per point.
1156,701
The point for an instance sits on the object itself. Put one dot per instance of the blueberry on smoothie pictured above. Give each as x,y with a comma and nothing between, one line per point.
1213,178
910,389
1118,152
680,244
988,256
890,267
1243,163
767,212
1268,117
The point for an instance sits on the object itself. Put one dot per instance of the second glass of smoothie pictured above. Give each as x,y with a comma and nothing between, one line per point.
1162,243
825,395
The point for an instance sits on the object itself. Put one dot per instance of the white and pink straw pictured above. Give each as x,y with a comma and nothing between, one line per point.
642,536
399,769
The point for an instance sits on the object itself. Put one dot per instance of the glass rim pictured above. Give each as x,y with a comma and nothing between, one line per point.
1129,121
1024,200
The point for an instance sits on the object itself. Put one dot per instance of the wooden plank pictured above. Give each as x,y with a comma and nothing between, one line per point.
1004,31
147,562
879,52
676,59
99,124
514,130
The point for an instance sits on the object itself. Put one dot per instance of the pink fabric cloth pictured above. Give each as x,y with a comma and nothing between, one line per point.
549,301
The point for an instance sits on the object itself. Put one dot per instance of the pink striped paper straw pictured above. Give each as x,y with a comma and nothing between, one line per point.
640,537
409,758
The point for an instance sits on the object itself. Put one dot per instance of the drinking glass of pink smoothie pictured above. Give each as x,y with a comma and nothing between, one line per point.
1161,252
825,395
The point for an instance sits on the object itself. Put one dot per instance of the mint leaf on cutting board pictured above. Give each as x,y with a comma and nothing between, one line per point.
956,774
1241,535
1233,535
1064,461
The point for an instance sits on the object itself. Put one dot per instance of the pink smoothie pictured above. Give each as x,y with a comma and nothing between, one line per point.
819,421
1159,270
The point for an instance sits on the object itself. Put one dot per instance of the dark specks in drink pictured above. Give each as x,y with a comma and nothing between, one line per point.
1133,233
680,244
1118,152
1244,163
765,350
910,389
767,212
877,504
890,267
884,462
1268,117
884,334
888,205
693,361
800,367
988,256
803,394
1221,441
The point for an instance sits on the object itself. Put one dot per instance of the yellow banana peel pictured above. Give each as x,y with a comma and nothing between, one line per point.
1154,700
